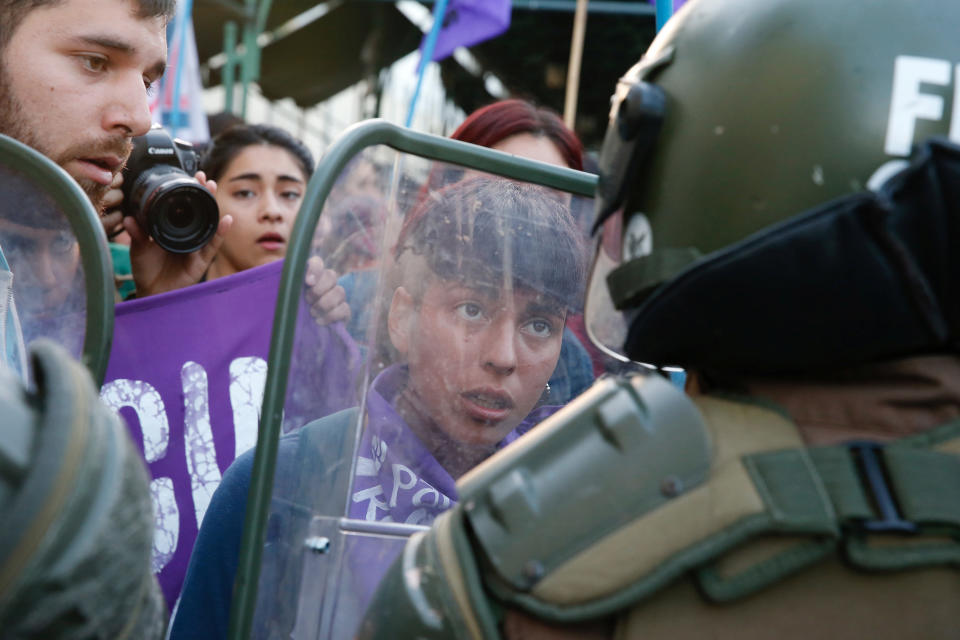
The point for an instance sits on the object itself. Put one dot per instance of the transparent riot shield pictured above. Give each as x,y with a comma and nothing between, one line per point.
462,268
55,277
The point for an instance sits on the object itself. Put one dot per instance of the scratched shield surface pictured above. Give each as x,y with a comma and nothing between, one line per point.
463,288
42,286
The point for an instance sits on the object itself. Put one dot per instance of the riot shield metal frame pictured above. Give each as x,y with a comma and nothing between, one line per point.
349,144
94,253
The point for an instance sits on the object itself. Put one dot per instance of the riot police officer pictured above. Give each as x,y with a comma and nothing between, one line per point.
777,214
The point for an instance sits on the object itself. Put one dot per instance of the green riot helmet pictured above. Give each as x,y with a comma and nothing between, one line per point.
756,153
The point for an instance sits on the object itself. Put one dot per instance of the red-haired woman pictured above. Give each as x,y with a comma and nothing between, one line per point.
523,129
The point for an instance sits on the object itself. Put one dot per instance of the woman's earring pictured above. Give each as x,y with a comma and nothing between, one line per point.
545,396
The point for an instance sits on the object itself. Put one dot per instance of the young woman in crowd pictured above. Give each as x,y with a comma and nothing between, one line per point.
524,129
488,270
261,174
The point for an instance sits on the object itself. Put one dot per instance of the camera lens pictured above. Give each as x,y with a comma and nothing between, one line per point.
167,202
179,216
174,209
182,215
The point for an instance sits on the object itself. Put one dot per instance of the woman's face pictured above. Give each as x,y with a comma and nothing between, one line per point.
262,189
534,147
542,148
479,358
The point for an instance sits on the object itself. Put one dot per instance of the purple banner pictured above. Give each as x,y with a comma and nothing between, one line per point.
469,22
187,372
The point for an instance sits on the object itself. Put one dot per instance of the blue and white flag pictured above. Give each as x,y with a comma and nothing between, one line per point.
178,103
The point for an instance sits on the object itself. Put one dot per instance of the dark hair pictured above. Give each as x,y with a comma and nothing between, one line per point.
220,122
498,121
228,145
478,229
12,13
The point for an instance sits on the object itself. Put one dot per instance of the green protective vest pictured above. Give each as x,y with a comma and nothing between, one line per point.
774,538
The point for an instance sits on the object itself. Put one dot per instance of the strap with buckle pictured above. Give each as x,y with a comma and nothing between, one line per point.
887,508
897,506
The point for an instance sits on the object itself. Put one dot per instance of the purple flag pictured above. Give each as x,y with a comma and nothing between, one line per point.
187,372
469,22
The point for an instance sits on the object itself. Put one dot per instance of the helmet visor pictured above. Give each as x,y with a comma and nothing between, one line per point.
636,116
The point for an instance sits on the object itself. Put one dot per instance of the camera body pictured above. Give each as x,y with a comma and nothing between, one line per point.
159,190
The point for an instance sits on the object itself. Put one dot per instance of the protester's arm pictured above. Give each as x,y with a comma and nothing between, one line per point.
156,270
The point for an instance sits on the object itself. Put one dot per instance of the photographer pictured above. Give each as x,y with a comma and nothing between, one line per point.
76,76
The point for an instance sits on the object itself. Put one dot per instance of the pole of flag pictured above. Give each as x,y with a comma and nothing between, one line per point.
664,11
439,11
573,67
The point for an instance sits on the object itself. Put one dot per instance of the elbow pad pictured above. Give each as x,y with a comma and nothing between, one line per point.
623,448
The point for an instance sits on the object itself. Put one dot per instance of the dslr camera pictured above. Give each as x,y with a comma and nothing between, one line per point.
159,190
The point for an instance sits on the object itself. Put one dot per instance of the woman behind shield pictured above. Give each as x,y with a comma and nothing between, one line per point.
521,128
488,269
524,129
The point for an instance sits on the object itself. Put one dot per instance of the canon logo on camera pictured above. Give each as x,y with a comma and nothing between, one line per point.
160,151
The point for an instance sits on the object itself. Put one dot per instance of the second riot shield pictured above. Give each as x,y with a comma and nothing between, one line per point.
463,271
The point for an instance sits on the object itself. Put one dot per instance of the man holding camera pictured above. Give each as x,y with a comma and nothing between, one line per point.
76,75
74,82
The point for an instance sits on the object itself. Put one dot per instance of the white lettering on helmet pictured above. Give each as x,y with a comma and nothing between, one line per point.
638,238
908,104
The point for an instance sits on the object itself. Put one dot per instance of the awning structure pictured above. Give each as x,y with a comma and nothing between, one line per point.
355,39
348,44
351,41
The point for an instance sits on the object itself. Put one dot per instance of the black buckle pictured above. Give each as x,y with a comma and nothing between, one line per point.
868,457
